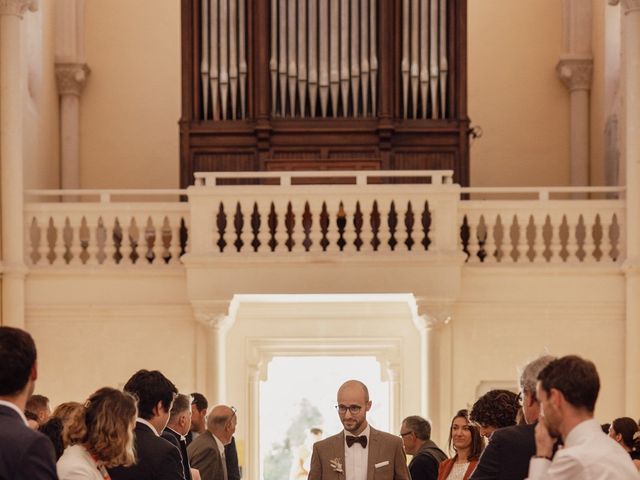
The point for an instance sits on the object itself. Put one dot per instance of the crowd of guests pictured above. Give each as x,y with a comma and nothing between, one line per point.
149,430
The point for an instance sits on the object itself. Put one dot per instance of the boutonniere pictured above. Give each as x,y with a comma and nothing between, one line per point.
336,464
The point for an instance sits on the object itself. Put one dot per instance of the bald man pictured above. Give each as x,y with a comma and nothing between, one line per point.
206,453
359,452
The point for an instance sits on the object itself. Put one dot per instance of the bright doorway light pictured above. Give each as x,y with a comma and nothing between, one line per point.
300,393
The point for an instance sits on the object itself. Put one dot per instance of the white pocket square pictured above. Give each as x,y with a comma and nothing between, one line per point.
382,464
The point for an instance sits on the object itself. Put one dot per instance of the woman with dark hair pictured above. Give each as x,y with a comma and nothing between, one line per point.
466,441
100,436
493,410
626,432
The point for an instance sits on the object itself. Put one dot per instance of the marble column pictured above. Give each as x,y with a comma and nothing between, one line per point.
11,160
214,323
631,154
575,69
70,78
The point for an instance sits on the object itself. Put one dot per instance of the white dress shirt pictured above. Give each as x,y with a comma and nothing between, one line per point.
588,454
77,464
356,458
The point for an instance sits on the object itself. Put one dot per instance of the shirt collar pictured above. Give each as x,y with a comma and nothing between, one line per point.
219,443
146,422
364,433
14,407
581,430
181,437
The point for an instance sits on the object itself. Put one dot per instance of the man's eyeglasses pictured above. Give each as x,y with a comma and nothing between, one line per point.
353,409
402,434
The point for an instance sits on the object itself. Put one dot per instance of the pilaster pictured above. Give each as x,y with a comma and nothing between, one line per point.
12,84
211,360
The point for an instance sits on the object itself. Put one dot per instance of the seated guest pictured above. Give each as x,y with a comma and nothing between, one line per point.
178,426
53,428
625,431
38,405
101,437
567,390
32,419
66,413
24,453
206,452
493,410
416,439
466,441
510,449
157,459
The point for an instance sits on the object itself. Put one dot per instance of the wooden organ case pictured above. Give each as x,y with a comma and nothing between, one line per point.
324,85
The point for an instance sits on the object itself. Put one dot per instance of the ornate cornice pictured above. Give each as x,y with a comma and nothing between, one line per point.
630,6
575,72
71,77
17,7
433,315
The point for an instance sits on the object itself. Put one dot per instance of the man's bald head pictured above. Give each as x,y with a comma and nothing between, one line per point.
350,385
221,422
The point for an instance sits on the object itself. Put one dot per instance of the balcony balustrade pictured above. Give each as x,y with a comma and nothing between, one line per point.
400,214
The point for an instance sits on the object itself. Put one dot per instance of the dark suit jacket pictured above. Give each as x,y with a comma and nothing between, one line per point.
174,438
205,456
24,453
157,459
424,464
231,456
507,455
385,451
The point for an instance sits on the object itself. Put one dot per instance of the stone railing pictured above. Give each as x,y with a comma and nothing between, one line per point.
106,232
316,214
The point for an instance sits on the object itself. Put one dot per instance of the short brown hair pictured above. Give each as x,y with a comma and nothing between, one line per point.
575,377
105,427
496,408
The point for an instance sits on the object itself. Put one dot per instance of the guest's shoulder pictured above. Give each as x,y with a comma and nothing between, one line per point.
337,438
74,461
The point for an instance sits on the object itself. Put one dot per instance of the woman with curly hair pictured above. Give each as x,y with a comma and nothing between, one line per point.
626,432
495,409
466,441
100,436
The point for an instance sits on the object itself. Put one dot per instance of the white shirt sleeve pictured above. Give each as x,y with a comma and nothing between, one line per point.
563,467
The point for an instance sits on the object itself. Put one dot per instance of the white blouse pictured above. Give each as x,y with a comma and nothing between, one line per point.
77,464
458,471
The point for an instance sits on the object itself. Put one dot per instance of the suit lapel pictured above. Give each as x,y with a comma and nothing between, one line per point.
339,453
374,452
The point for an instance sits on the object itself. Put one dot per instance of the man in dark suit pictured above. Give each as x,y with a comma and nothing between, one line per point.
510,449
157,459
359,451
416,438
206,452
24,453
178,427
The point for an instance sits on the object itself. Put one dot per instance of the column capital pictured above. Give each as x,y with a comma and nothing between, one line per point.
432,315
575,72
17,7
71,77
630,6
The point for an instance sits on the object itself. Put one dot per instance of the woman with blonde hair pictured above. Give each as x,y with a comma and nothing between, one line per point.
100,436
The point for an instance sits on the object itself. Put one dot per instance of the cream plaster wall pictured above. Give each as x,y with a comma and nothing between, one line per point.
131,104
515,94
40,125
97,329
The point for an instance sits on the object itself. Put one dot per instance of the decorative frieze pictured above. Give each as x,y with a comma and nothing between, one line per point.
575,73
17,7
71,77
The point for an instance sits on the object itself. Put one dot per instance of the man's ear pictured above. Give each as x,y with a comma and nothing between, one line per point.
368,406
33,376
156,410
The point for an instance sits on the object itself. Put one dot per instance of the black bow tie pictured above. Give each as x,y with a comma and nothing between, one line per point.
362,440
